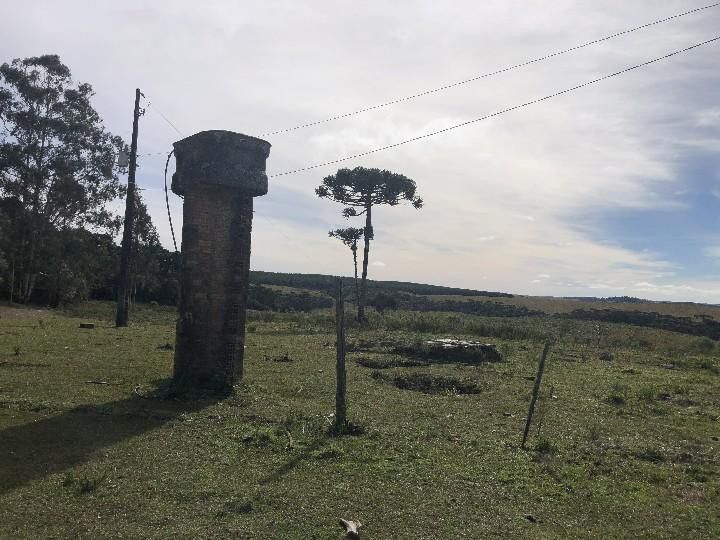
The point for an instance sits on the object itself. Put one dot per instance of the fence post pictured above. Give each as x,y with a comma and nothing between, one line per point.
536,390
341,376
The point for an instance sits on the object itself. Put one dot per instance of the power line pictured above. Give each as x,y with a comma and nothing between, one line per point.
497,113
148,154
154,108
457,83
487,75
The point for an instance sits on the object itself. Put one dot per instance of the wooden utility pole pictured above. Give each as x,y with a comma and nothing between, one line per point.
123,302
536,391
341,375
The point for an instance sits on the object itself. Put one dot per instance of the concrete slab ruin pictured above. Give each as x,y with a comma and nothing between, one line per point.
463,350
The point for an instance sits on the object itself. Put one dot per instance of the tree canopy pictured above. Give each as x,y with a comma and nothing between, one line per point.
57,161
363,187
350,236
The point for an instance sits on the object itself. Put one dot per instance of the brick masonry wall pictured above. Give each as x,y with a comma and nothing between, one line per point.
217,222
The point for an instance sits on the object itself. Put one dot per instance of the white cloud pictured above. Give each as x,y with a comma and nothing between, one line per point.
708,117
712,251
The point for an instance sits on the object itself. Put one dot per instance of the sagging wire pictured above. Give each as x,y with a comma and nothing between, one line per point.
167,200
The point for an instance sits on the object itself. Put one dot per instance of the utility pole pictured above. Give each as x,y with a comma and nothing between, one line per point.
123,303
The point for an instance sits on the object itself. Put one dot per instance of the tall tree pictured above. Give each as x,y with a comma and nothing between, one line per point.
11,216
57,161
350,236
146,250
362,188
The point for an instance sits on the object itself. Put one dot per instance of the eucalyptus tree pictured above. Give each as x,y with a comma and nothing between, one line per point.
146,250
350,236
57,161
360,189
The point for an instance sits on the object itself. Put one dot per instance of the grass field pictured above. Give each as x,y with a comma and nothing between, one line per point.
90,448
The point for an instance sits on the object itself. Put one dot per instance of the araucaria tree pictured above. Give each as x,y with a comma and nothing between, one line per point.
350,236
360,189
57,165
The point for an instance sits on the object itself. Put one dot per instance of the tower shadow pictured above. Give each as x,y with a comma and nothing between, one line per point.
40,448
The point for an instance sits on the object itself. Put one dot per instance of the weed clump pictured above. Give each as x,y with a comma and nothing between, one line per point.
545,447
238,507
618,395
82,484
259,436
652,455
347,428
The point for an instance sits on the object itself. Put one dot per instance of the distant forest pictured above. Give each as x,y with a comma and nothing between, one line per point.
322,282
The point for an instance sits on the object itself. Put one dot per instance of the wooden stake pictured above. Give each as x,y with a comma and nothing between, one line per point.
536,391
341,385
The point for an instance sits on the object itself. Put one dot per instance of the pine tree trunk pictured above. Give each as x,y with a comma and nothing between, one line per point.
366,252
25,287
357,285
30,287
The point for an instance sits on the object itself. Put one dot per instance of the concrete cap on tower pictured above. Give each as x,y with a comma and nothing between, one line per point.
221,158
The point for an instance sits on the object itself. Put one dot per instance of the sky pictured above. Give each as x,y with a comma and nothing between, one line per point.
609,190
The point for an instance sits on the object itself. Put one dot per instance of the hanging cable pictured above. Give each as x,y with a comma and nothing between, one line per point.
458,83
492,115
490,74
464,81
167,201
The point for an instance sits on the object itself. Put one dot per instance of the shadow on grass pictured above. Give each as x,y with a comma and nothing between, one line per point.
305,454
49,445
312,451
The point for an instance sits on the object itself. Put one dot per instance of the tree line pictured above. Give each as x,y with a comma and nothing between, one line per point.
58,177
